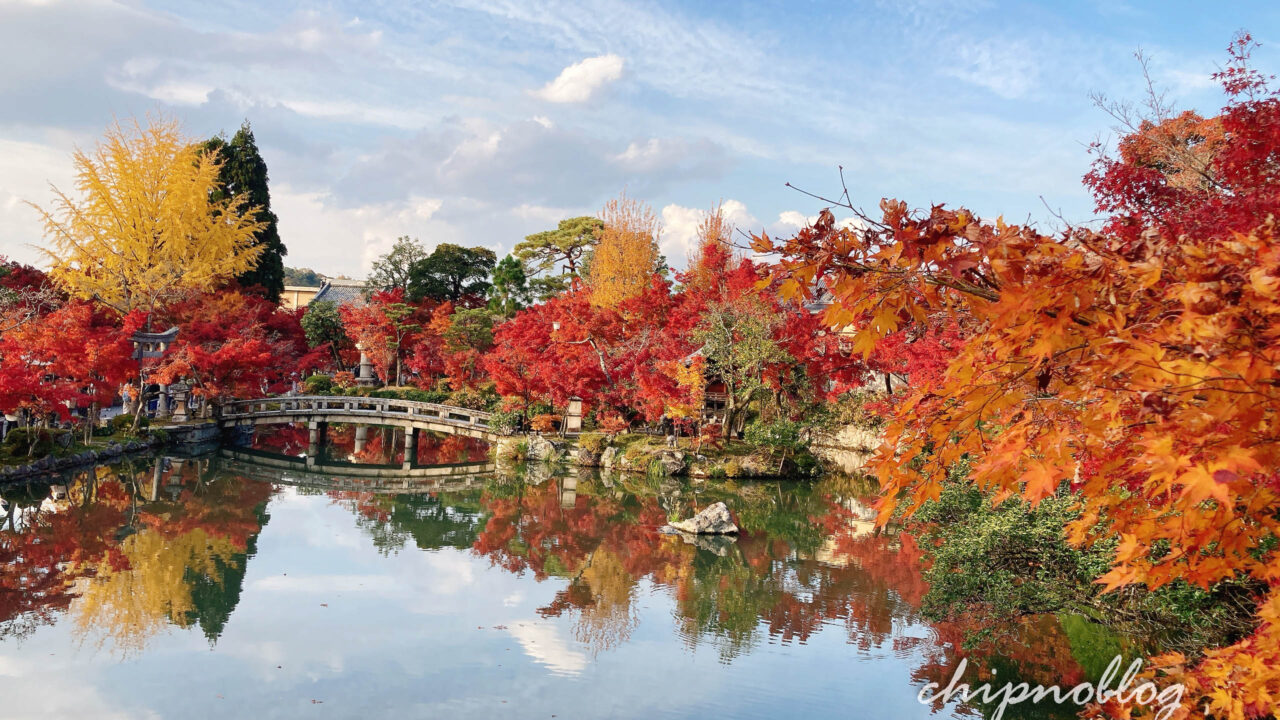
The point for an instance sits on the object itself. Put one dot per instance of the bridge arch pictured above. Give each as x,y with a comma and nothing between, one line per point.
317,411
409,414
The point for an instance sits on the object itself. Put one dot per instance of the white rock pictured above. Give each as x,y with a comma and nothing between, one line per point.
713,520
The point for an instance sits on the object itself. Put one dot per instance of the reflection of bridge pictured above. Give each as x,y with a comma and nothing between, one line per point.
317,411
286,470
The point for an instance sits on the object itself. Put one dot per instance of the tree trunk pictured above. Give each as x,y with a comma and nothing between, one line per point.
90,422
730,412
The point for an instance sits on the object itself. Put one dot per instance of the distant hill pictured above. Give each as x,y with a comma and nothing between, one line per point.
303,276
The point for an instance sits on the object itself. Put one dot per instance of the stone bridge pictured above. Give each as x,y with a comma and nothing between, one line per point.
317,411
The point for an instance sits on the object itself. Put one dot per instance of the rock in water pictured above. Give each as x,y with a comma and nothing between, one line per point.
713,520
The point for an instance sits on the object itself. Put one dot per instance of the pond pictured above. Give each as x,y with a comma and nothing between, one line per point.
199,587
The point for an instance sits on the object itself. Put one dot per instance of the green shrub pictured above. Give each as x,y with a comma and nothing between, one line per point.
413,394
505,422
733,468
717,473
517,454
28,442
471,399
851,409
778,437
540,408
593,442
806,463
994,562
318,385
124,423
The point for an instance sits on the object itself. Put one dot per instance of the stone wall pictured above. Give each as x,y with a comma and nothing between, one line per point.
848,449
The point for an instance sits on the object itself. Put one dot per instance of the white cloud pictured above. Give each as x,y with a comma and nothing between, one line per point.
1010,70
795,219
28,170
679,232
327,238
578,82
543,643
680,227
791,220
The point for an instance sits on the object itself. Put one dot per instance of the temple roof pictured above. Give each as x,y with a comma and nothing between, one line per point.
342,292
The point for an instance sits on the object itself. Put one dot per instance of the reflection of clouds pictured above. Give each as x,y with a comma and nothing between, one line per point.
12,667
542,642
445,572
56,691
308,517
309,655
317,584
513,599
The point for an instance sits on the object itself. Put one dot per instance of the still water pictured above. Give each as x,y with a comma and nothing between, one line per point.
204,587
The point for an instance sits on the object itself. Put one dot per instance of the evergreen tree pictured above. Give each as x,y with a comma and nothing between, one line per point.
392,270
510,291
245,172
454,273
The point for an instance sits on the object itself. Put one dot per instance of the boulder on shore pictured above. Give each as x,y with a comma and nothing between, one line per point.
608,457
540,448
713,520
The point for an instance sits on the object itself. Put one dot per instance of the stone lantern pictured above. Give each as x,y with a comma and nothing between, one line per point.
364,373
180,392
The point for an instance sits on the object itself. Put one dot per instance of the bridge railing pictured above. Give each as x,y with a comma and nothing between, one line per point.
307,404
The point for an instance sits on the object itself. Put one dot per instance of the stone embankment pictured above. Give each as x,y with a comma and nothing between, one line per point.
847,449
645,455
189,434
51,464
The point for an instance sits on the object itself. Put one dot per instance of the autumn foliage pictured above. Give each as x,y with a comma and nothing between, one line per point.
145,231
1136,367
627,253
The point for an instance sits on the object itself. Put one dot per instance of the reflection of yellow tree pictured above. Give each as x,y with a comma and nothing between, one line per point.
607,621
128,604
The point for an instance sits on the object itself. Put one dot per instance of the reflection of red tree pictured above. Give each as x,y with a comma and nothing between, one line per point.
37,561
223,508
1036,646
447,449
289,439
41,560
879,582
869,582
369,505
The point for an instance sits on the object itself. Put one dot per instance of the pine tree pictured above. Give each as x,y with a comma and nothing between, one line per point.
245,172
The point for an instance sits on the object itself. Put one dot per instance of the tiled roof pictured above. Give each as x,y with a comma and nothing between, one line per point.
342,292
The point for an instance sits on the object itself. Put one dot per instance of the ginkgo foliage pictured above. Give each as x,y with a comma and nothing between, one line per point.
143,229
1135,368
627,254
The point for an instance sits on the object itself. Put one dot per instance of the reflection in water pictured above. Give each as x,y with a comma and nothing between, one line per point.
370,445
140,547
140,550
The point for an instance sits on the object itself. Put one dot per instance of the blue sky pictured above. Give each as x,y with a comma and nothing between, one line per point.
480,121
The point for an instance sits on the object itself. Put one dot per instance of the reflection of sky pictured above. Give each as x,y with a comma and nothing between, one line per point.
328,627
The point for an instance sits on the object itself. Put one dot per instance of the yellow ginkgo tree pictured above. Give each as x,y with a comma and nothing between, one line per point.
626,256
144,230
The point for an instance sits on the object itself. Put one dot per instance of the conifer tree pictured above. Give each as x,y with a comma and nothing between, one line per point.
244,172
